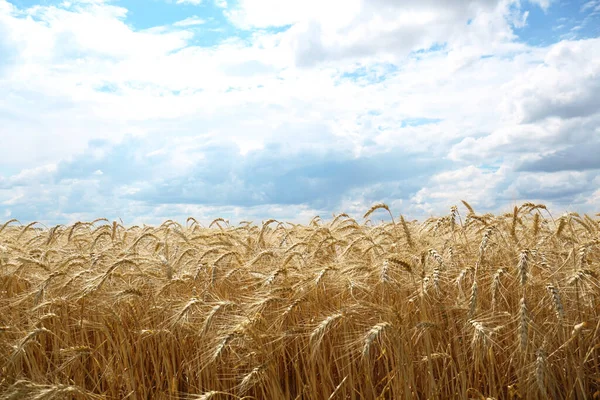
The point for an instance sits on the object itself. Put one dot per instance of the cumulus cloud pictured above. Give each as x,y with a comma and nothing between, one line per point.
564,187
573,158
190,21
565,85
548,107
350,30
478,186
317,107
220,178
28,177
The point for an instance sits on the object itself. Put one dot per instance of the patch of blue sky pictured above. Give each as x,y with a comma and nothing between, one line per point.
562,20
107,88
277,29
431,49
6,171
142,15
369,76
212,29
21,4
226,30
419,121
24,8
212,26
491,167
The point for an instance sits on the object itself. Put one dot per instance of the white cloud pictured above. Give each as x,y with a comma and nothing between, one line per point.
29,176
192,2
347,79
13,200
347,30
479,187
6,7
590,5
566,85
191,21
546,107
544,4
561,191
593,200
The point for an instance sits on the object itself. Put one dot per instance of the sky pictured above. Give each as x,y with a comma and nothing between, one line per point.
147,110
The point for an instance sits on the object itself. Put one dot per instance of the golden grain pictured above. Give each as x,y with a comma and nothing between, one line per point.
331,309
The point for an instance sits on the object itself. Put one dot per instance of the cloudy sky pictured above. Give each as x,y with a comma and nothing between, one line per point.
249,109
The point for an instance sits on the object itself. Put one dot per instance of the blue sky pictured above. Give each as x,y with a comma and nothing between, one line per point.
287,109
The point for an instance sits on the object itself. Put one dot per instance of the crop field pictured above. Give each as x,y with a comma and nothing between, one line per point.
466,306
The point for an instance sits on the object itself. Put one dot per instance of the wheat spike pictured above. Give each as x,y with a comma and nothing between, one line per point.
407,233
473,300
372,336
540,371
556,301
468,206
523,267
523,324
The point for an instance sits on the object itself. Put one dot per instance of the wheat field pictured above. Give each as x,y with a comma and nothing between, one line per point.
465,306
